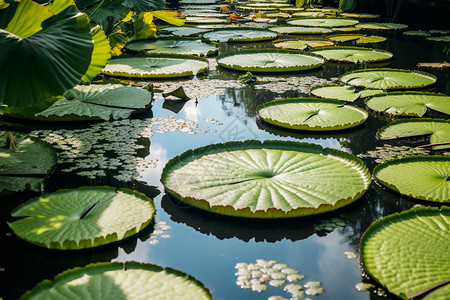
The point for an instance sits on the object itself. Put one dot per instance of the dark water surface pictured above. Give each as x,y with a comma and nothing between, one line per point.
207,246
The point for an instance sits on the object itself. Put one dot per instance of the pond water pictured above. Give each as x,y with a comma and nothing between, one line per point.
207,246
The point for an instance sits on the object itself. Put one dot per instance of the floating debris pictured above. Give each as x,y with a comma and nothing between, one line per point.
283,84
212,121
387,152
330,225
363,286
313,288
350,254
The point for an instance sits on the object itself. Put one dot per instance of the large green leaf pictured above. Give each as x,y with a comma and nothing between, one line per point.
100,55
273,179
26,164
300,30
240,35
373,39
341,92
290,44
46,63
353,54
82,218
183,30
439,130
205,20
311,114
323,22
174,45
156,66
269,60
439,294
381,26
409,103
97,102
130,280
388,78
345,37
420,177
142,5
407,252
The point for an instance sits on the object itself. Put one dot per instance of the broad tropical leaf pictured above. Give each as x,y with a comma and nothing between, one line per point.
407,252
311,114
323,22
142,5
409,103
156,66
388,79
437,129
273,179
130,280
420,177
26,162
268,60
174,45
171,17
240,35
100,55
82,218
353,54
144,28
299,30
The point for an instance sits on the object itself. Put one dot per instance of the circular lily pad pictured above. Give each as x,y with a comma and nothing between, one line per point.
323,22
269,60
273,179
156,66
311,114
373,39
360,16
353,54
290,44
420,177
205,20
130,280
341,92
240,35
26,162
345,37
409,103
183,30
388,79
437,129
299,30
82,218
174,45
381,26
407,252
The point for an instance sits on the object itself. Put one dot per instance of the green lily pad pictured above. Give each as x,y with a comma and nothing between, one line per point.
360,15
156,66
96,102
437,129
373,39
82,218
184,30
388,79
409,103
270,60
311,114
25,165
205,20
130,280
273,179
174,45
341,92
290,44
440,38
407,252
439,294
417,33
299,30
280,15
323,22
352,54
420,177
240,35
345,29
381,26
345,37
263,5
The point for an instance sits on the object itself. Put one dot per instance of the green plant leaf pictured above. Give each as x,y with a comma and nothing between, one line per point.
65,41
183,30
381,26
437,129
440,38
82,218
299,30
417,33
373,39
205,20
144,28
142,5
334,91
27,19
360,15
407,252
273,179
26,164
323,22
269,60
311,114
100,55
240,35
290,44
174,45
420,177
409,103
352,54
156,66
345,37
170,17
388,79
439,294
130,280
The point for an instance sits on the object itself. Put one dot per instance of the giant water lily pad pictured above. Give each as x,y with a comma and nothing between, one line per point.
381,26
437,129
96,102
323,22
345,37
388,78
407,252
353,54
420,177
183,30
130,280
311,114
82,218
156,66
373,39
25,162
240,35
342,92
409,103
269,60
272,179
205,20
299,30
175,45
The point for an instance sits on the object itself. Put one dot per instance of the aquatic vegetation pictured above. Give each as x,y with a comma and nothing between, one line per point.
323,22
388,152
353,54
342,92
174,45
241,34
